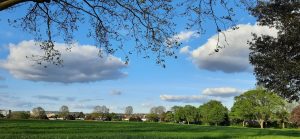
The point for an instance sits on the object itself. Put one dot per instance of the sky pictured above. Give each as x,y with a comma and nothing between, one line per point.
86,80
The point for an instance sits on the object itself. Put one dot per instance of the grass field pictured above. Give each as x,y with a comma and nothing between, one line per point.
34,129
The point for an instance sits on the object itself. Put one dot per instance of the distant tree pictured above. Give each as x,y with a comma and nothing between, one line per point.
169,116
1,115
152,117
101,109
128,110
159,110
213,112
178,113
19,115
38,113
190,113
81,115
276,60
69,117
135,119
63,111
260,104
295,116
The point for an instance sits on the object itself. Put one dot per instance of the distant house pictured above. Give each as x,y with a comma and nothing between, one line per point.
5,112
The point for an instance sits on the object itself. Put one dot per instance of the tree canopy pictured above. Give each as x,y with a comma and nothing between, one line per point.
257,104
213,112
276,60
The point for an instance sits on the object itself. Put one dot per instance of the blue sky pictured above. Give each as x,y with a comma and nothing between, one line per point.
194,78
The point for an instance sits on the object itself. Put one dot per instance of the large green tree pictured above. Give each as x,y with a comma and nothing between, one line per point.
213,112
258,104
276,60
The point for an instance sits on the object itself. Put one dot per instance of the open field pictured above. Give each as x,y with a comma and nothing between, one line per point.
34,129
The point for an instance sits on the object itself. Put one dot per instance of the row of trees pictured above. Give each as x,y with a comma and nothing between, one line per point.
254,107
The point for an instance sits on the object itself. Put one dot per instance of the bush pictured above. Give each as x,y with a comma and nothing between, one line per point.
69,117
135,119
295,116
19,115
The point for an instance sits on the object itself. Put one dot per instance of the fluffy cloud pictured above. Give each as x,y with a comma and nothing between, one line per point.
115,93
235,57
184,99
221,92
81,64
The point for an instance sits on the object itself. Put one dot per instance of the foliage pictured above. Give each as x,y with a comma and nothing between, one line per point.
276,60
169,117
81,115
152,117
213,112
69,117
295,116
63,112
135,119
190,113
178,113
101,109
159,111
129,110
1,115
38,113
36,129
258,104
19,115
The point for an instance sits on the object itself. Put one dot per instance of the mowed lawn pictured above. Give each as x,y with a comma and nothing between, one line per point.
35,129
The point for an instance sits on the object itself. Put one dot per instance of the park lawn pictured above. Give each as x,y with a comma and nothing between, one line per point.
43,129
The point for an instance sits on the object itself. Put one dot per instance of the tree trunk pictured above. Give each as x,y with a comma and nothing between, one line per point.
243,123
188,122
283,125
261,123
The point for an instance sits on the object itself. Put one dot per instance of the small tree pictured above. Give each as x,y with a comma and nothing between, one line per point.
38,113
160,110
63,111
128,110
295,115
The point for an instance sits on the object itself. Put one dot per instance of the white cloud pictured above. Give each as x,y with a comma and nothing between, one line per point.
235,57
81,64
221,92
184,99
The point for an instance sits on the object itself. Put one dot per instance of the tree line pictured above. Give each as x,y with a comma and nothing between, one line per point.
254,108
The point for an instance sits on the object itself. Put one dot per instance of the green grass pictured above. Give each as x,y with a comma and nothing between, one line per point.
35,129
